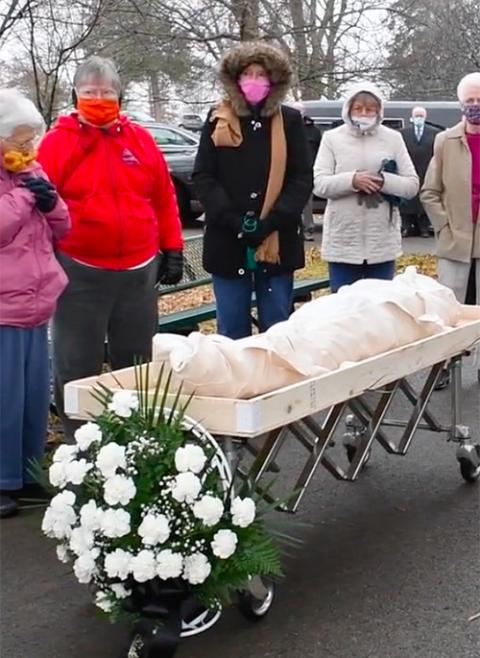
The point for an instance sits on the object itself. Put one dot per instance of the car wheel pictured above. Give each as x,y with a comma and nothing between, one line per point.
183,201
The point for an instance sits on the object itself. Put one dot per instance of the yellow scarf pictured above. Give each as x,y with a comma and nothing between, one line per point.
228,132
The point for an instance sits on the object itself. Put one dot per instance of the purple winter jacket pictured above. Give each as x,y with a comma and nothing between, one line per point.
31,279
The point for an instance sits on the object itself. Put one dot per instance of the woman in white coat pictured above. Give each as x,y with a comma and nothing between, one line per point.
363,169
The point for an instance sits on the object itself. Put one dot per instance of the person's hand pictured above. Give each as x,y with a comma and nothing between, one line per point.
170,269
368,182
255,237
45,194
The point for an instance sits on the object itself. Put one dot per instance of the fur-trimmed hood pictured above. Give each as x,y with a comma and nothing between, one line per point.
274,61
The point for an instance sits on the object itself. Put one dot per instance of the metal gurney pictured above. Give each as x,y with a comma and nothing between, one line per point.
362,393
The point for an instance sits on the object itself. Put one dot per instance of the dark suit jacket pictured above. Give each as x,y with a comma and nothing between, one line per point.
421,153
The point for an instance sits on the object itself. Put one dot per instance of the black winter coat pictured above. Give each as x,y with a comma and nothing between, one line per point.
421,153
231,181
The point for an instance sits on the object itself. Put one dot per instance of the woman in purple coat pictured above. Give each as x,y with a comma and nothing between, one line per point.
32,218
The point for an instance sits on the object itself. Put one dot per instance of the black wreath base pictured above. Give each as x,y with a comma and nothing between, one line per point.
160,606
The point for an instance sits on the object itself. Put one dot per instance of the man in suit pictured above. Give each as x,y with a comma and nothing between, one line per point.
314,137
419,138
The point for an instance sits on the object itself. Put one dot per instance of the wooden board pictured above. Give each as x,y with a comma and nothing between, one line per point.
248,418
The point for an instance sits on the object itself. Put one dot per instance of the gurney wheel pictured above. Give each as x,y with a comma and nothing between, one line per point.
255,603
352,451
469,471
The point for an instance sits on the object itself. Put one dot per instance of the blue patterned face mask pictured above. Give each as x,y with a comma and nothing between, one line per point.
472,113
418,122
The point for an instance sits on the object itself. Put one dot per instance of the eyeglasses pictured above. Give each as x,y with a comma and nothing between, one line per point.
97,93
21,146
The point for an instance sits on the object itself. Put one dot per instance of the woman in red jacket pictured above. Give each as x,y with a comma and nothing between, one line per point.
126,232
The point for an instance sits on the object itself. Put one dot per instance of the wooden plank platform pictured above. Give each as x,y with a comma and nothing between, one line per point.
249,418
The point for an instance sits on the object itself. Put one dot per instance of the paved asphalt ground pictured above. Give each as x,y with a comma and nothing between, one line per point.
389,568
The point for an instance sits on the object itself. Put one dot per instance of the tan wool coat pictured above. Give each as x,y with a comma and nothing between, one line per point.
447,197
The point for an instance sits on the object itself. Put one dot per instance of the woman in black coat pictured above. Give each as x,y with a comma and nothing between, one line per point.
253,176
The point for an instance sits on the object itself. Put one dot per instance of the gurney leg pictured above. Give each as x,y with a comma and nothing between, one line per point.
468,453
256,600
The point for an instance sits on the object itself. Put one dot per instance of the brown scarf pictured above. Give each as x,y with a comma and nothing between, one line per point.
228,133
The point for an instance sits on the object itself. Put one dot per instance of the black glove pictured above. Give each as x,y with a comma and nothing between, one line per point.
255,238
45,194
170,270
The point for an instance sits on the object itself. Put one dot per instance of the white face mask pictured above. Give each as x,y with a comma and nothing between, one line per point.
364,123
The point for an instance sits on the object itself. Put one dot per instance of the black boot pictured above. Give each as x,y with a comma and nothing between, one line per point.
8,506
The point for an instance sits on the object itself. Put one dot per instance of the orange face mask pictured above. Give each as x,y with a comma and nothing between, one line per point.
14,161
99,111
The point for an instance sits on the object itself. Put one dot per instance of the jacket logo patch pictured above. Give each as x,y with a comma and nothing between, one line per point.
128,157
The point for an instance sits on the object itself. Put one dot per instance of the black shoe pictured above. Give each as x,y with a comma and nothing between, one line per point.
443,381
8,506
309,237
424,234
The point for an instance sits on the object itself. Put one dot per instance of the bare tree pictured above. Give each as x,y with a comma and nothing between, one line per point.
48,37
11,12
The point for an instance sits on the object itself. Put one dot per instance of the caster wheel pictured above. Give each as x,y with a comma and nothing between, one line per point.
351,452
255,602
470,473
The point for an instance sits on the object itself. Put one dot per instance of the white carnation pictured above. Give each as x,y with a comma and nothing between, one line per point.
62,553
81,540
186,487
115,523
65,453
60,516
110,458
123,403
57,474
196,568
119,489
102,601
243,512
154,529
169,564
143,566
224,544
190,458
85,567
117,564
91,516
208,509
120,591
88,434
76,471
63,500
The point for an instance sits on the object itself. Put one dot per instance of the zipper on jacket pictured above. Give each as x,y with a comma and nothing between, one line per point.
117,205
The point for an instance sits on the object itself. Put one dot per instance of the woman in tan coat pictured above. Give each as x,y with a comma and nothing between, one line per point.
451,197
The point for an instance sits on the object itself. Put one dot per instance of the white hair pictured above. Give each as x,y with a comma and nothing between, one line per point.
16,111
471,79
100,68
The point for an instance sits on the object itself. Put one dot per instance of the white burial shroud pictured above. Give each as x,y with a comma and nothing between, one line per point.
362,320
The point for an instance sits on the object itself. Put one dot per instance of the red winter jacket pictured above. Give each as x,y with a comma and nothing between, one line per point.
118,190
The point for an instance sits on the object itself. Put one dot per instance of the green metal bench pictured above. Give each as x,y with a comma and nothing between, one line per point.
195,276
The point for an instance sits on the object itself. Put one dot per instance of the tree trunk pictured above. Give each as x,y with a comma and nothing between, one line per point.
156,107
246,13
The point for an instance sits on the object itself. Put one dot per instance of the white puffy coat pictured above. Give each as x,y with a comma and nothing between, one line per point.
353,233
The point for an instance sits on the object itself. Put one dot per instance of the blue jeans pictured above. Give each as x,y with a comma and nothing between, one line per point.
343,274
234,302
24,402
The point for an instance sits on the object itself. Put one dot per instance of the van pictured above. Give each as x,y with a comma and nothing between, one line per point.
440,114
328,114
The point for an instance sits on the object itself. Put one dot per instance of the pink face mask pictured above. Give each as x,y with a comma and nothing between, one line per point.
254,89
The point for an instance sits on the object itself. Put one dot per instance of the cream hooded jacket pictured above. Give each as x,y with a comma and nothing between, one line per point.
353,233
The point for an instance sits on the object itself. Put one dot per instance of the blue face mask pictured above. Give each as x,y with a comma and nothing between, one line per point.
419,122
